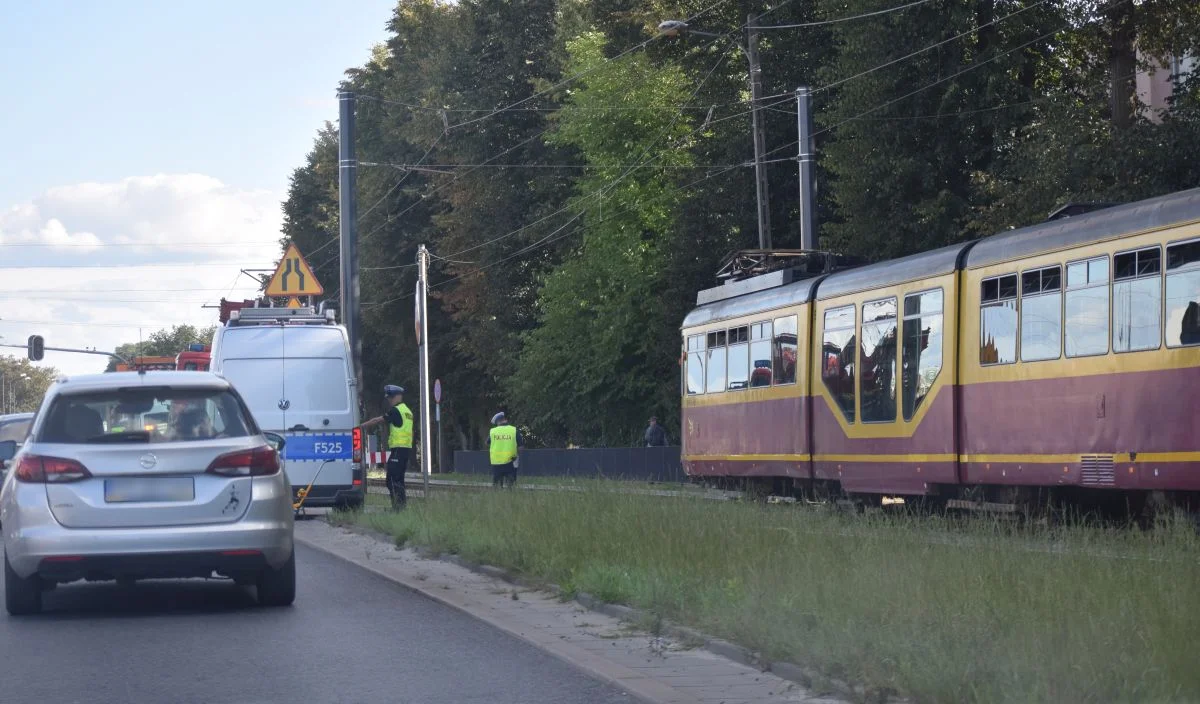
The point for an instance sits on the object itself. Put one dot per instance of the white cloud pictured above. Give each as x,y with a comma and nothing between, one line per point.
111,257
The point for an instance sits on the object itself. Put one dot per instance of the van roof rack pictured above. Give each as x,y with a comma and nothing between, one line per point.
281,316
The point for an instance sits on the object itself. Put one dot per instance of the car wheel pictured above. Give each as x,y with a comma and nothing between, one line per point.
22,595
278,587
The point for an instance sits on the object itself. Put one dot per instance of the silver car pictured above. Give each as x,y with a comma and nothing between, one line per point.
145,475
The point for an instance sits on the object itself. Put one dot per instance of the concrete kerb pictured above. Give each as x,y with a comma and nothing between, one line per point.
805,677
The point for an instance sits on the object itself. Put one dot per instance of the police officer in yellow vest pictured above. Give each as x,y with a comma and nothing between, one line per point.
503,442
400,441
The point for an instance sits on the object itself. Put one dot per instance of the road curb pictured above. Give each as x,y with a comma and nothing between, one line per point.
632,683
790,671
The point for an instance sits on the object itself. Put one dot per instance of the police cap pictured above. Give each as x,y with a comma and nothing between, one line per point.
496,419
392,390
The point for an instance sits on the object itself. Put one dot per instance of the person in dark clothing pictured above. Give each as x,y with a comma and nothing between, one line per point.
400,441
656,435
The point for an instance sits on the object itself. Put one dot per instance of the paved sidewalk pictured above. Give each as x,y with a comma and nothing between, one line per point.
653,669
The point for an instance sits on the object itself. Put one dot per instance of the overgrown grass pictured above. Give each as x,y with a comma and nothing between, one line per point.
546,481
940,609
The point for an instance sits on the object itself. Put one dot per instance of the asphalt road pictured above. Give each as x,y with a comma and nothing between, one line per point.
351,637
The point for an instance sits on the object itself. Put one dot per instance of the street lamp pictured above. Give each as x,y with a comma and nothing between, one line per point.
808,238
676,28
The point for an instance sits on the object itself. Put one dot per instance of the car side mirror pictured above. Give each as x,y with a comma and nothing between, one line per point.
8,450
275,439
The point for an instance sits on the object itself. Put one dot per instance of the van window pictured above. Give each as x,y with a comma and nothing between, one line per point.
317,385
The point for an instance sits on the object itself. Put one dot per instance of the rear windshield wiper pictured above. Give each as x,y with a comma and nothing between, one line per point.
126,436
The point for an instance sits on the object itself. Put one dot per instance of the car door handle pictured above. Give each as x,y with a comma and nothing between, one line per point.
299,426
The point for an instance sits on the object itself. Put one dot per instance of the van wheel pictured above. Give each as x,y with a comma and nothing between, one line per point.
278,587
22,595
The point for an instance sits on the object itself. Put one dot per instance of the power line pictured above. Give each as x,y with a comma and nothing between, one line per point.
164,245
842,19
615,182
928,48
471,169
550,238
137,265
65,323
570,79
952,76
563,166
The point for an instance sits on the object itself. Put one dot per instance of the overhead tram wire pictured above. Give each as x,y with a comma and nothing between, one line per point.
952,76
918,52
471,169
839,20
580,74
789,145
547,240
617,181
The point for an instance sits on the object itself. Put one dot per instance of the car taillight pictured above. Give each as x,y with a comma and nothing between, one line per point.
255,462
357,444
50,470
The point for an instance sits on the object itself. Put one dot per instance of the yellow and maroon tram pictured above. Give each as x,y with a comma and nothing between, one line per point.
1063,356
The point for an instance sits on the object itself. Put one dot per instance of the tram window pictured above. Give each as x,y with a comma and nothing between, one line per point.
998,320
922,360
760,354
1183,294
1041,314
739,362
784,353
695,364
715,368
1086,326
1137,300
877,366
837,359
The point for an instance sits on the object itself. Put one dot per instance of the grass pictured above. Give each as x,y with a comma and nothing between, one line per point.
547,481
939,609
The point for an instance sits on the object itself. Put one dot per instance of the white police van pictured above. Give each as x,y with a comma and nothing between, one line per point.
294,369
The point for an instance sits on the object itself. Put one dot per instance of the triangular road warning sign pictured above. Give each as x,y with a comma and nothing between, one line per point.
293,302
293,276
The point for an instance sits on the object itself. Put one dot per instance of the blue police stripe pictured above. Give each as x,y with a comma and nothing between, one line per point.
329,446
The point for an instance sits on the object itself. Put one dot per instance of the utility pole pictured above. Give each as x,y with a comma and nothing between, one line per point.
760,173
808,190
422,329
348,233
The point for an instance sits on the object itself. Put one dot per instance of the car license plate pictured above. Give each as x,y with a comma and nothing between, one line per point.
149,489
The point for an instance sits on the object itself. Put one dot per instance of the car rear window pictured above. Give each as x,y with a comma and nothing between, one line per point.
15,429
143,414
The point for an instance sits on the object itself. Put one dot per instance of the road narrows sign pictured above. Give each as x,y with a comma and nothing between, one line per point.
293,276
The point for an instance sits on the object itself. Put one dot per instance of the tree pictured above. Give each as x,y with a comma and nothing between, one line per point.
22,385
165,343
594,366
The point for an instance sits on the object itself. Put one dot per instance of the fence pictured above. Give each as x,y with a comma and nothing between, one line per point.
658,464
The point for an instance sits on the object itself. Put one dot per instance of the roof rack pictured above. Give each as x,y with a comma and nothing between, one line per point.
281,316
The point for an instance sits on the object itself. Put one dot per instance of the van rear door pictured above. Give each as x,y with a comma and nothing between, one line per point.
251,359
321,414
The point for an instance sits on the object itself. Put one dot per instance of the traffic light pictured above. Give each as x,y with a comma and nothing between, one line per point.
37,348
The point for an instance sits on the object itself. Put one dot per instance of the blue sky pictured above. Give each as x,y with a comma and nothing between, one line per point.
133,125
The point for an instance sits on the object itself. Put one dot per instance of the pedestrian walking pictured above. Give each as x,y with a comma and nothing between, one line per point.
656,435
399,418
503,443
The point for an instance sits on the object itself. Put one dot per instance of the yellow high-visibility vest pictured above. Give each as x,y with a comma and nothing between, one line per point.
402,436
503,448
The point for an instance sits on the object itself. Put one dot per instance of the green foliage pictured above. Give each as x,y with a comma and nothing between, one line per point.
560,275
587,369
24,384
164,343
